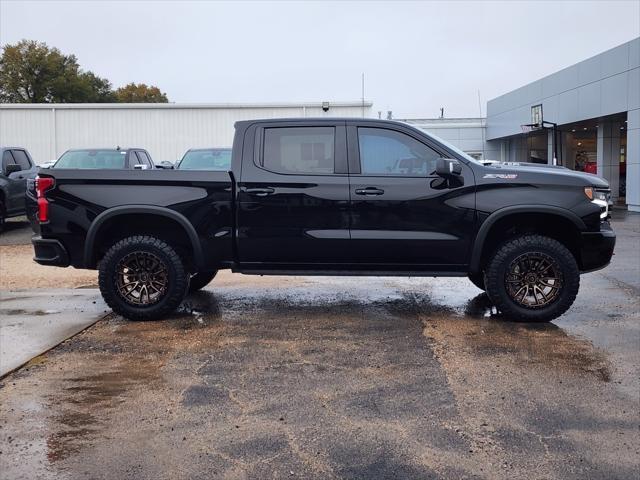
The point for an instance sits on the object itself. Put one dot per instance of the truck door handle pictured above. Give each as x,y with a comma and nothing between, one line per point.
369,191
259,192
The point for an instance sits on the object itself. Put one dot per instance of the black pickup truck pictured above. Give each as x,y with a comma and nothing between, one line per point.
329,197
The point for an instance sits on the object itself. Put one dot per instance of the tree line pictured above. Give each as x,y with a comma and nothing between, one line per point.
33,72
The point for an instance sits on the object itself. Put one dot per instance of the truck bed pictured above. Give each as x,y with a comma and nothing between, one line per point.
82,201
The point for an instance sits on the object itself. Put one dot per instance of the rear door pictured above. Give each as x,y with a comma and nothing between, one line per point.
293,198
402,213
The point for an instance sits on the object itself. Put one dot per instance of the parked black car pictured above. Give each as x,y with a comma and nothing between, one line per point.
105,159
17,167
330,197
218,159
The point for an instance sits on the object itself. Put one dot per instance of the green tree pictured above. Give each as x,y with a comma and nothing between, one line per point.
98,89
140,93
32,72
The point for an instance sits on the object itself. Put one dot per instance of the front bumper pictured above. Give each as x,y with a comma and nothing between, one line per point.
49,252
596,248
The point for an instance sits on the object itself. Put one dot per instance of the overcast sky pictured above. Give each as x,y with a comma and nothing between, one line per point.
416,56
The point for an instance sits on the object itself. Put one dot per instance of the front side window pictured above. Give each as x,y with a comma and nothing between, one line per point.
22,159
388,152
299,150
141,159
145,156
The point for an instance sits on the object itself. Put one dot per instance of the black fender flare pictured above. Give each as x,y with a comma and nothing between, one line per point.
90,240
483,231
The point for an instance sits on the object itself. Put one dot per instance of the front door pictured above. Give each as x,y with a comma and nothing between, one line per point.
293,198
402,213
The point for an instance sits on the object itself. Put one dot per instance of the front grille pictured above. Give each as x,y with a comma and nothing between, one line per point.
605,206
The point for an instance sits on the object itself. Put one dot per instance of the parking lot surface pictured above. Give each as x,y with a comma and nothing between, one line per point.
300,377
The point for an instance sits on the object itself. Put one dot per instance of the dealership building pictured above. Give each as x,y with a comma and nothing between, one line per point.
594,106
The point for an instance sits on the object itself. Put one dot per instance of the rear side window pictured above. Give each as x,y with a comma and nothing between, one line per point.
388,152
21,159
299,150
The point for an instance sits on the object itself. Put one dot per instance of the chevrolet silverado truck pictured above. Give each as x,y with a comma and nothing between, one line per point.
329,197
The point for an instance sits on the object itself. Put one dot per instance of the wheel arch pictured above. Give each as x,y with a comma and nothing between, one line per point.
514,215
146,211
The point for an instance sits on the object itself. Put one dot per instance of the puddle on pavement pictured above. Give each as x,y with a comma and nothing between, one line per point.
84,400
474,324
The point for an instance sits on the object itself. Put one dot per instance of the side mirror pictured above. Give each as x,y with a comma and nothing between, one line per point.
12,168
140,167
448,168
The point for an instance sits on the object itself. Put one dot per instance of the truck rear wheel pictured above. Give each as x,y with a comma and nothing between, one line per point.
201,280
532,278
142,278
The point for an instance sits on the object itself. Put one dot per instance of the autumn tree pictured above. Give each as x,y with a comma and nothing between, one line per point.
140,93
32,72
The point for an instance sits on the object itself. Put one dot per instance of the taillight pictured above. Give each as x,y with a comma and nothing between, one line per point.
42,185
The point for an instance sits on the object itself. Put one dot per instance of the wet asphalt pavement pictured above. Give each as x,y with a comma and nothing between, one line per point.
305,377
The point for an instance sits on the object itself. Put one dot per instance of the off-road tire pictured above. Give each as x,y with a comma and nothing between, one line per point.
176,286
201,280
498,267
478,280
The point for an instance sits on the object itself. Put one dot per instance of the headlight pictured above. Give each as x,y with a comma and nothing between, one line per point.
601,198
593,194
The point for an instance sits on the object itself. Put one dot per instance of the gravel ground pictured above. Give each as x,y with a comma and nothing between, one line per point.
18,271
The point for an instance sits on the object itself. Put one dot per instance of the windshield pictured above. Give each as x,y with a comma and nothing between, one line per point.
218,159
98,159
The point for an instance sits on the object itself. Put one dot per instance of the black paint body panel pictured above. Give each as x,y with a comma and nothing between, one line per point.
255,220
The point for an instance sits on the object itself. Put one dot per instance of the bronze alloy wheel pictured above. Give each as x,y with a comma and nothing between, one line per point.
533,280
141,278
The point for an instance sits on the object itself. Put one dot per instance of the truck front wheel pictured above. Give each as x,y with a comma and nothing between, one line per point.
142,278
532,278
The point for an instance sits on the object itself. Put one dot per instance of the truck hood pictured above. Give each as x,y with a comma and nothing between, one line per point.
539,172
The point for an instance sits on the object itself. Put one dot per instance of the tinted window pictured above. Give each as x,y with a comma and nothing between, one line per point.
138,158
387,152
215,159
98,159
21,159
145,157
7,159
301,150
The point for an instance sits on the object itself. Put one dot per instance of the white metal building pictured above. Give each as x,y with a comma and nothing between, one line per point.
165,130
468,134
